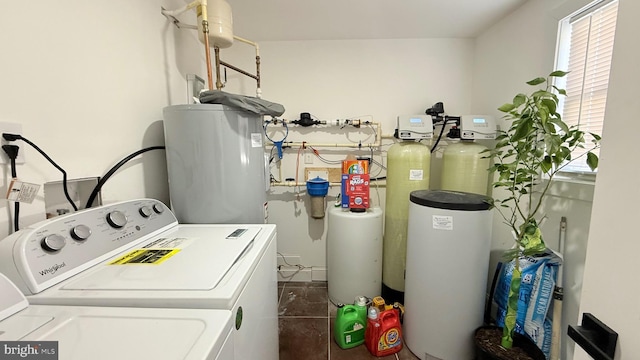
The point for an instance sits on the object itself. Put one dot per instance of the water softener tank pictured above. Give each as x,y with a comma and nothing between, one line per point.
408,165
216,164
448,248
354,254
465,168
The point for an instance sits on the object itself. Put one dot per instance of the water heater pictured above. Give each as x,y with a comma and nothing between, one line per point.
216,164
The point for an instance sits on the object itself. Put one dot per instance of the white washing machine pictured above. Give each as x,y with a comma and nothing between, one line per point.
86,332
135,254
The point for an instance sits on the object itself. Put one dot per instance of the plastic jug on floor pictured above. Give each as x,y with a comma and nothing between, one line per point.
351,321
383,335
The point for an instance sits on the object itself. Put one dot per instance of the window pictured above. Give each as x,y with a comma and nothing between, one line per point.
585,48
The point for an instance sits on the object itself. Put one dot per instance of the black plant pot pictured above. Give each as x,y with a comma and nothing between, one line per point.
519,341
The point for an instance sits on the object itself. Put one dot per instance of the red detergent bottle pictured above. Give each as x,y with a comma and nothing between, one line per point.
383,335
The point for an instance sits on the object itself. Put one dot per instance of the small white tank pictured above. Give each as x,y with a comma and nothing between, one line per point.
354,254
465,168
220,23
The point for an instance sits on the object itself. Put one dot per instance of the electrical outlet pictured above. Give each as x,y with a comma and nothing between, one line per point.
308,158
12,128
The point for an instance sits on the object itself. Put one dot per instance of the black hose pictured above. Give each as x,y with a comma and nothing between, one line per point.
112,171
444,124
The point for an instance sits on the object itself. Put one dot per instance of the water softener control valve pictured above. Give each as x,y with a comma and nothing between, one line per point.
415,127
477,127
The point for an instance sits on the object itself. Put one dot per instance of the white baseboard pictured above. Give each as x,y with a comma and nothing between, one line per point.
319,273
293,273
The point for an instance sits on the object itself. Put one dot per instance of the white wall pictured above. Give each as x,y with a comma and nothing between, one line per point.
87,81
517,49
90,90
372,79
611,289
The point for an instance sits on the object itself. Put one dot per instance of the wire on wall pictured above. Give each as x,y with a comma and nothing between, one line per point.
12,153
290,277
14,137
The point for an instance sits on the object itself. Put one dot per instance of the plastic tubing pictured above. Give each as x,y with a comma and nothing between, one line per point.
179,11
257,76
248,42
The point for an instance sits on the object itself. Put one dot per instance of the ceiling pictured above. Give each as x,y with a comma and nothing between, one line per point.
281,20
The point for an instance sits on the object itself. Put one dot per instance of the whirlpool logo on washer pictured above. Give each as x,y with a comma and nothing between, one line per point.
39,350
52,270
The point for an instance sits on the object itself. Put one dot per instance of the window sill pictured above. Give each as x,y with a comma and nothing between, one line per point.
573,186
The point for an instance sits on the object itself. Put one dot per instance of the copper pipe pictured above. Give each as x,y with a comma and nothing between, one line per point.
258,70
238,70
219,84
207,51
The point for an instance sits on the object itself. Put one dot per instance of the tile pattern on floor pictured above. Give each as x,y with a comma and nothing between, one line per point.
306,318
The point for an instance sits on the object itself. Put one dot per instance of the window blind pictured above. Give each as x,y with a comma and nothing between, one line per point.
589,64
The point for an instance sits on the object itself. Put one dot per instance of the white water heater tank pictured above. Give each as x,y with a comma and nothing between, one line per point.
216,164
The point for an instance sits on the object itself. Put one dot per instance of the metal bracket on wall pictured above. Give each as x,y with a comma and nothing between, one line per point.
596,338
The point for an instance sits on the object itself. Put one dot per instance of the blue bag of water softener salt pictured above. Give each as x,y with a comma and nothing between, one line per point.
536,295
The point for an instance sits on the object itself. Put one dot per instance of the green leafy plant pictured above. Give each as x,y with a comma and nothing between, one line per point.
537,144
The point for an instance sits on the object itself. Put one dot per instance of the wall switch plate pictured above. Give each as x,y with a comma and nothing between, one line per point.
12,128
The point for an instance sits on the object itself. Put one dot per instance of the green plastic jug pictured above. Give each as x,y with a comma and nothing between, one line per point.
351,321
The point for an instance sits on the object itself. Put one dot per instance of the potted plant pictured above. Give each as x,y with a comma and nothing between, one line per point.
527,156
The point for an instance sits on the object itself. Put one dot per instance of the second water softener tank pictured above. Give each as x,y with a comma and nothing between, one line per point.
216,164
448,248
465,167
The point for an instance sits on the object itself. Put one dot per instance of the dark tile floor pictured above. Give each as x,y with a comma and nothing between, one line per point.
306,318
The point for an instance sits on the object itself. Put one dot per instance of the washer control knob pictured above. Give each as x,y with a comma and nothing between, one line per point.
117,219
158,208
145,211
80,232
53,242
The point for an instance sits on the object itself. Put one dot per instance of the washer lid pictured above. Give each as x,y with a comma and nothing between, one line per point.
125,333
12,300
451,200
183,258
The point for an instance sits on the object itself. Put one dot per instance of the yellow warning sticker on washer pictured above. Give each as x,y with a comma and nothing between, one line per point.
145,256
